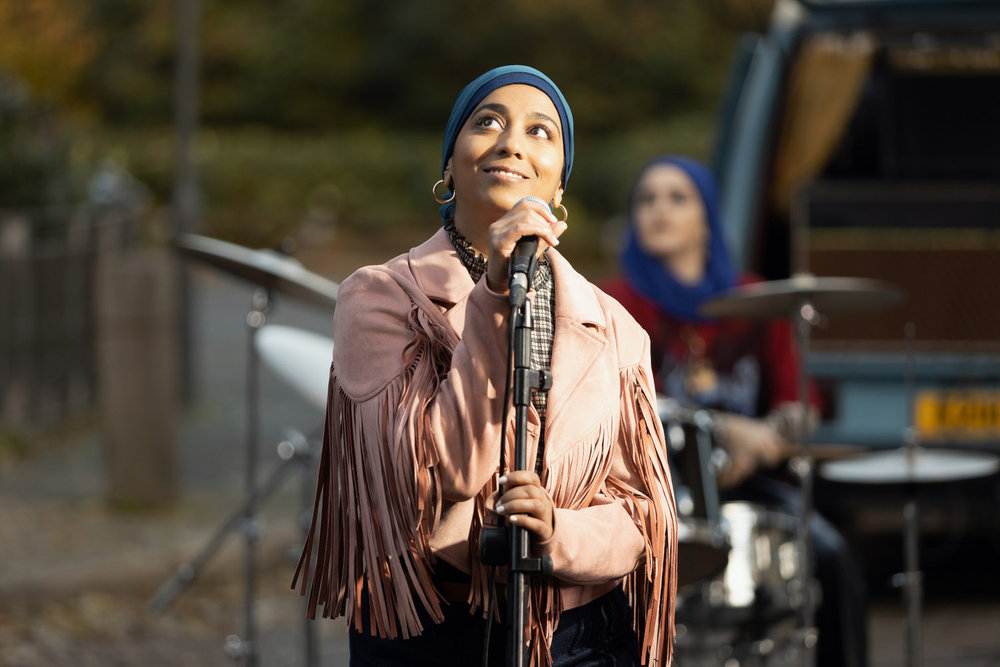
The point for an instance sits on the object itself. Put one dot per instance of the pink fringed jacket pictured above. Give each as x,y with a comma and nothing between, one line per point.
412,442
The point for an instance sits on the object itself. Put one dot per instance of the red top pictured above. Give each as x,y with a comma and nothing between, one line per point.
736,365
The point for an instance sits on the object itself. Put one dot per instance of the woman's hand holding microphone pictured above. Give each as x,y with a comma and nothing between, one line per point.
530,216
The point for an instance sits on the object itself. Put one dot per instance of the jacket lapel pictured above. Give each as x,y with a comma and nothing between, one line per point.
581,384
440,274
585,380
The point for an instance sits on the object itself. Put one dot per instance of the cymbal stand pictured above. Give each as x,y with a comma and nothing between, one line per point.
237,647
294,449
911,581
806,316
246,647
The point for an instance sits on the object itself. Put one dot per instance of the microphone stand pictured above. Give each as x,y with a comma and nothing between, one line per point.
912,579
520,563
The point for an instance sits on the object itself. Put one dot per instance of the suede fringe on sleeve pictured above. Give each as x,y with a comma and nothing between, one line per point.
572,481
378,497
652,587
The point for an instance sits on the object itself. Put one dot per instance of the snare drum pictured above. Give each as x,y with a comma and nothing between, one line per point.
703,549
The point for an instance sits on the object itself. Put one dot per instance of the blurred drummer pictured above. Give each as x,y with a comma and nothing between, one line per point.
675,257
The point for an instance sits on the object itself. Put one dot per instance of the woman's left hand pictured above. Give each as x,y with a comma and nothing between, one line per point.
525,503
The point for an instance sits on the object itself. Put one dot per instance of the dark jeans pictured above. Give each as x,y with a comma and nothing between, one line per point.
840,615
598,634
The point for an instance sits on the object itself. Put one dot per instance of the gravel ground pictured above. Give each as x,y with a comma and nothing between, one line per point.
118,628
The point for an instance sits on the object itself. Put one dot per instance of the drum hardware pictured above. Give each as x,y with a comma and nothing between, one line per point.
807,299
760,578
294,450
911,465
823,296
300,358
703,548
271,272
722,649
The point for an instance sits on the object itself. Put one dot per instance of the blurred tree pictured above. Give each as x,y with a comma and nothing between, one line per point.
129,79
34,152
47,44
308,64
302,96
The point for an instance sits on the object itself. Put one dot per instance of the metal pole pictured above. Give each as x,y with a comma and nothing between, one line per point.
520,563
517,595
913,578
187,16
805,316
251,532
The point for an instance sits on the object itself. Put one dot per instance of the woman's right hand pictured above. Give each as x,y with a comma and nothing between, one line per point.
528,217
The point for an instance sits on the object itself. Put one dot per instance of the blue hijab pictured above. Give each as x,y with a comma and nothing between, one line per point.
475,92
651,278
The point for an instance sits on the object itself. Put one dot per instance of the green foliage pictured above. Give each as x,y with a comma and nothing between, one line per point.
260,185
332,112
34,152
326,65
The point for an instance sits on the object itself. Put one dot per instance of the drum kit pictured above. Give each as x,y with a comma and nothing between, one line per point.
746,594
300,358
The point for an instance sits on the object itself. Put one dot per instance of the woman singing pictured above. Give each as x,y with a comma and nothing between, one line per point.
409,473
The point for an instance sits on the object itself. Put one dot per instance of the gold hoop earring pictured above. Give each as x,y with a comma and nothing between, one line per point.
562,215
440,198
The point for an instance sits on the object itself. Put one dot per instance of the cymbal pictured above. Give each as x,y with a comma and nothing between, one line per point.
266,268
903,465
300,358
779,298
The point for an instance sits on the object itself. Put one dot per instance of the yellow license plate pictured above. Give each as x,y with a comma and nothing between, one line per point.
969,414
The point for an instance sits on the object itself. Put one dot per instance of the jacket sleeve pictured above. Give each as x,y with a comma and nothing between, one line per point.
388,333
412,420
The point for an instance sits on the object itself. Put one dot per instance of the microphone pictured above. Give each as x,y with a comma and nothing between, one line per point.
522,269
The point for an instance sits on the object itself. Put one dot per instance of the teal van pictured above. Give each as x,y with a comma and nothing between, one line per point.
862,139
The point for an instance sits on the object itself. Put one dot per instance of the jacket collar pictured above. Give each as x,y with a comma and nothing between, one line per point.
438,271
440,274
578,343
575,297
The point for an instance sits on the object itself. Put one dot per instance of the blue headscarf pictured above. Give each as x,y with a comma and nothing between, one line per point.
648,274
475,92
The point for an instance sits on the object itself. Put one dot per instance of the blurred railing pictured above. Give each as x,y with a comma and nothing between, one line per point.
48,365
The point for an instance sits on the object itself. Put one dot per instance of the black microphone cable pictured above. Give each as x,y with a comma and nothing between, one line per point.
507,392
